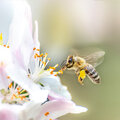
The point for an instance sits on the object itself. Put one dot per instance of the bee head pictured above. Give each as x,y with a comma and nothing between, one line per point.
70,61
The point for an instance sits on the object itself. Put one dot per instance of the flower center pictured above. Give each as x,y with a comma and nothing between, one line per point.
41,62
14,94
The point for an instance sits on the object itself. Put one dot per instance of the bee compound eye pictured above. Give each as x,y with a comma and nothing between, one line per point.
70,60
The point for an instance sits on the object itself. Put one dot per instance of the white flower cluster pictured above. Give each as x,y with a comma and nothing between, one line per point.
28,91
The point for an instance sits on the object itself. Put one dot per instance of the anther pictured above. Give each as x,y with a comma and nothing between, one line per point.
8,77
49,59
47,113
35,56
34,48
41,55
38,49
60,71
51,72
10,86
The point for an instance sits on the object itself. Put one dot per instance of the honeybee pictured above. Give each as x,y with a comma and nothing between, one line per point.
85,66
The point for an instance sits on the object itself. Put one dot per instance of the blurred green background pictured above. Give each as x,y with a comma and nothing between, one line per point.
64,24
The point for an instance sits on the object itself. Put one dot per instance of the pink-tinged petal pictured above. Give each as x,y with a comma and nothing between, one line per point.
57,108
3,78
9,112
51,110
7,115
20,35
54,96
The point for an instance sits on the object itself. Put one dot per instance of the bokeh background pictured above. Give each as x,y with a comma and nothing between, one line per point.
67,24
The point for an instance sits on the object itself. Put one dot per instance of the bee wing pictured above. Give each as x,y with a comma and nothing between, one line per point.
95,58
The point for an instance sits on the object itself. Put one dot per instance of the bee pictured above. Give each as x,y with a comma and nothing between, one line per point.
85,66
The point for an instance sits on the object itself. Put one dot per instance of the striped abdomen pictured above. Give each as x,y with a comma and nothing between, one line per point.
92,74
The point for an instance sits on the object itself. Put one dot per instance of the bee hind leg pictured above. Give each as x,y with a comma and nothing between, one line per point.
81,75
80,80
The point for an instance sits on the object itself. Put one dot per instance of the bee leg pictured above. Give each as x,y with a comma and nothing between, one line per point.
80,80
81,76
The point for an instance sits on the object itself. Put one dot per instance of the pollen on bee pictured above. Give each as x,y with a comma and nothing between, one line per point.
47,113
50,119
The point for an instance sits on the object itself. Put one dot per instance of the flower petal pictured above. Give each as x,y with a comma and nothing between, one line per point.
19,75
20,35
9,112
51,110
5,60
55,85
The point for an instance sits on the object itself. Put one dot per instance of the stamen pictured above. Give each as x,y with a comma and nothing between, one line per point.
51,72
60,71
35,56
41,55
28,75
34,48
48,59
52,68
38,49
1,39
4,45
44,63
8,46
8,77
47,113
15,94
10,86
